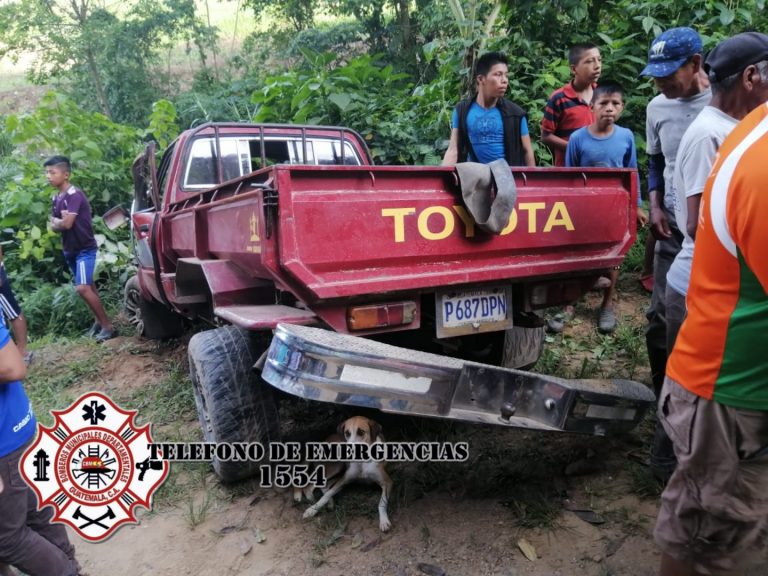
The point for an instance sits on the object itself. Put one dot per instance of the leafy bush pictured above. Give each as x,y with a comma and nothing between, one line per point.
341,38
101,153
55,310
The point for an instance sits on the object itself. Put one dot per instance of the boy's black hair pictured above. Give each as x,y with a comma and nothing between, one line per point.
488,61
577,51
607,87
58,160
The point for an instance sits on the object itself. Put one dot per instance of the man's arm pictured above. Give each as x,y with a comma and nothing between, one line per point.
12,366
549,123
66,221
530,159
693,203
452,154
659,223
554,142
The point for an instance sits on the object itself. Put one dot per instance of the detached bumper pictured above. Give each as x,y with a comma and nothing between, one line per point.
321,365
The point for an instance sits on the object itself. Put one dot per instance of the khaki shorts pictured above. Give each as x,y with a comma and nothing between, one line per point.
714,510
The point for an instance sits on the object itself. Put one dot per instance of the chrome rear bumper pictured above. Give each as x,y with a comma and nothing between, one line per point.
326,366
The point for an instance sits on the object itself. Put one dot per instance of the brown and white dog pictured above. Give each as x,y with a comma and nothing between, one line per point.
354,430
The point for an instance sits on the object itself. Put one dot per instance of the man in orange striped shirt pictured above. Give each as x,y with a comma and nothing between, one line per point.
714,405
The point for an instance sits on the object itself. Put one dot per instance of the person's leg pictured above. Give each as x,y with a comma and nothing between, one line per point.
646,274
84,266
606,320
20,545
663,460
91,297
713,513
656,330
609,293
675,314
56,534
662,456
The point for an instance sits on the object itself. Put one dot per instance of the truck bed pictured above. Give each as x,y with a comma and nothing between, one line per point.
326,233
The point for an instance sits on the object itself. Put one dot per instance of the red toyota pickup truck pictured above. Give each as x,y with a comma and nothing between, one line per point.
335,280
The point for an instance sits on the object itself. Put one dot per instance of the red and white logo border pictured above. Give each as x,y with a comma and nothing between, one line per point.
95,514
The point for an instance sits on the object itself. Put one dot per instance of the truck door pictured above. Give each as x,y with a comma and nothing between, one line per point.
144,209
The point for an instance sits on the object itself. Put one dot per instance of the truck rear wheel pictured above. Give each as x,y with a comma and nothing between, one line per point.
233,403
152,320
522,347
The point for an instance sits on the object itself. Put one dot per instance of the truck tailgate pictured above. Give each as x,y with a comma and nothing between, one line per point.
360,230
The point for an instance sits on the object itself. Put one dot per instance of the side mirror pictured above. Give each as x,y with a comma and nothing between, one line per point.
115,217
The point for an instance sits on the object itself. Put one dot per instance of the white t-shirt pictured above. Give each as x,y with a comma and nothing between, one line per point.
665,123
695,158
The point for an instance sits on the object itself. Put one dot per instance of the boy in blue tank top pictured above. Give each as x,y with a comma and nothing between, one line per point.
487,126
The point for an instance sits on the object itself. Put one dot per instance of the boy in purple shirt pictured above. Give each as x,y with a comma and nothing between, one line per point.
71,217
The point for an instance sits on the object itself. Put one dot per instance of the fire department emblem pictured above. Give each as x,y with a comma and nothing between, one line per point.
93,466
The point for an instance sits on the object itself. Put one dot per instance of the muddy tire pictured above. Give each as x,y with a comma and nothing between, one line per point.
233,403
151,320
522,347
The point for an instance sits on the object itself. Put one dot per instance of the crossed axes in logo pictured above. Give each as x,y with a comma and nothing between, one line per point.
108,515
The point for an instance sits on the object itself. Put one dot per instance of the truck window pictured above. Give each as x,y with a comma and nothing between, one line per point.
201,169
276,152
328,152
240,156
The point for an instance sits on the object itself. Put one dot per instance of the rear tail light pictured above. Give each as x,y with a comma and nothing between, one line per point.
381,315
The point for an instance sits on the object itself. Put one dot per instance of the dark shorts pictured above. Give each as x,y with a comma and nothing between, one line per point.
714,510
82,264
10,308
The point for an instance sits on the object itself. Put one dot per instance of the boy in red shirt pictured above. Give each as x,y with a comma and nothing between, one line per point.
568,108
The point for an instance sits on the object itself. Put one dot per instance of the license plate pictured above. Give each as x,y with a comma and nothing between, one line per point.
467,312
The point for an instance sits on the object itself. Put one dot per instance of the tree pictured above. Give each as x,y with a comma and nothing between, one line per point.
299,13
96,54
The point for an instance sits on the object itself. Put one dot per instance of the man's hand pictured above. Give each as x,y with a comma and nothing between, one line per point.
642,217
660,224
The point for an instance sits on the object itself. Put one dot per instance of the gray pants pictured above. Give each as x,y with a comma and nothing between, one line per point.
656,331
28,540
676,313
656,339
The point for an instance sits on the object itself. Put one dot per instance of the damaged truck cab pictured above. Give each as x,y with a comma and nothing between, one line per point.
336,280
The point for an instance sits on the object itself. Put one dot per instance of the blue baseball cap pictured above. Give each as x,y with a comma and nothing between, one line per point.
670,50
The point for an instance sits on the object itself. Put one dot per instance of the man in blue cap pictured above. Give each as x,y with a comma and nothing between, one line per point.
675,63
713,517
